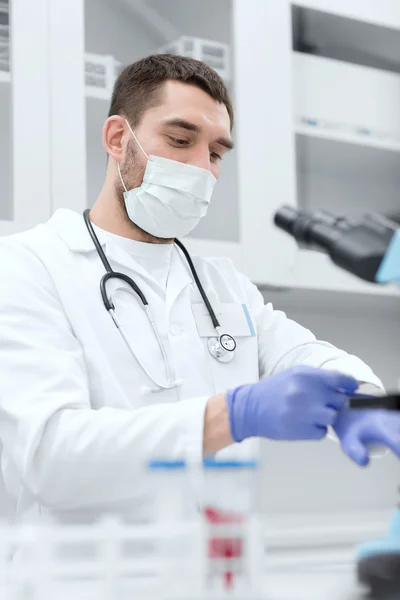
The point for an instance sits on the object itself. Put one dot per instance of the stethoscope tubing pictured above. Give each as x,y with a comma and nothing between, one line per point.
222,354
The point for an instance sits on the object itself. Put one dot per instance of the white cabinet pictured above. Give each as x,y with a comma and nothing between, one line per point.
342,63
24,116
385,13
291,147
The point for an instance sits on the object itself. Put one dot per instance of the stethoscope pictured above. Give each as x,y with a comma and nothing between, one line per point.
222,347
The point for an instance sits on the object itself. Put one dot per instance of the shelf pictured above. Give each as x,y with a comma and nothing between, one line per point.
316,301
345,178
342,158
346,174
368,141
336,36
102,70
100,73
215,54
331,278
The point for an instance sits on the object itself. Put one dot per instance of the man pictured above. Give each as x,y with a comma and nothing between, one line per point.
86,400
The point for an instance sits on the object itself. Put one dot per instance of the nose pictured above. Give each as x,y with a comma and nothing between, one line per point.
201,159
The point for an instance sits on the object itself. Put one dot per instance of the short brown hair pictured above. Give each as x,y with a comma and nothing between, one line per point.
137,87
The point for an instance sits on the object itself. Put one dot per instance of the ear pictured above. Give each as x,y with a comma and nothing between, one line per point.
113,137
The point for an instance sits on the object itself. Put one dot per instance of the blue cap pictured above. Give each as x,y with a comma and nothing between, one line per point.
389,269
166,464
212,463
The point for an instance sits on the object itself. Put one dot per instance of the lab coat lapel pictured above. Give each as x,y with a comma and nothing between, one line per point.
71,228
179,277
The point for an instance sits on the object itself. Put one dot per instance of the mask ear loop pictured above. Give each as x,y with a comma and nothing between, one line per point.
140,146
137,141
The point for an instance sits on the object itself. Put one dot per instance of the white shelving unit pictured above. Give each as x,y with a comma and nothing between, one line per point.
100,70
130,36
347,137
24,117
292,148
100,75
215,54
4,37
295,144
346,123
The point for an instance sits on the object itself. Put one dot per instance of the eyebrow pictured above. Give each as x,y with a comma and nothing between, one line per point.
183,124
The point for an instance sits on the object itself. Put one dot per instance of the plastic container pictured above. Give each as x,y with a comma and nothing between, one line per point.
171,490
230,511
232,485
178,524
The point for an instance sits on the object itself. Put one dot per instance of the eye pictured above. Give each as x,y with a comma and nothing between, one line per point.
215,156
178,141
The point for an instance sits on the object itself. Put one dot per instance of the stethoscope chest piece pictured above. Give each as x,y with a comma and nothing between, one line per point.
222,348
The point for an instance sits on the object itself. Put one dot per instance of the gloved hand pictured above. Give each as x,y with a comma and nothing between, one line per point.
359,428
297,404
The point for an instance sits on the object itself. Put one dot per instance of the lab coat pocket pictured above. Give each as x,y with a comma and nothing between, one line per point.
237,321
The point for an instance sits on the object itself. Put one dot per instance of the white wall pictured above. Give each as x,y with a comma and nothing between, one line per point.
316,477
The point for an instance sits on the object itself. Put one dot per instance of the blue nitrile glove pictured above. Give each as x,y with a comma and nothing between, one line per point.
297,404
359,428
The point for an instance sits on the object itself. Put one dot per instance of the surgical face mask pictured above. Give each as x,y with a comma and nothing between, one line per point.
172,198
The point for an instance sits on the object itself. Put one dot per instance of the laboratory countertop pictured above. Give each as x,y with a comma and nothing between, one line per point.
283,586
320,585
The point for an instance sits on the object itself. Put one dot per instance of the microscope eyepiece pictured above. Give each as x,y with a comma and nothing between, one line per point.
356,246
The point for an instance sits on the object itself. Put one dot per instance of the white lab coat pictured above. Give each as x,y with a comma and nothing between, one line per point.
76,420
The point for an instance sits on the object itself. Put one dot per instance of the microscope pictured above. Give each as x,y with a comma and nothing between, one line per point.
368,248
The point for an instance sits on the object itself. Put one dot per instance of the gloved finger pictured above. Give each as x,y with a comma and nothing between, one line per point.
355,450
389,433
325,416
379,427
393,445
318,433
340,381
